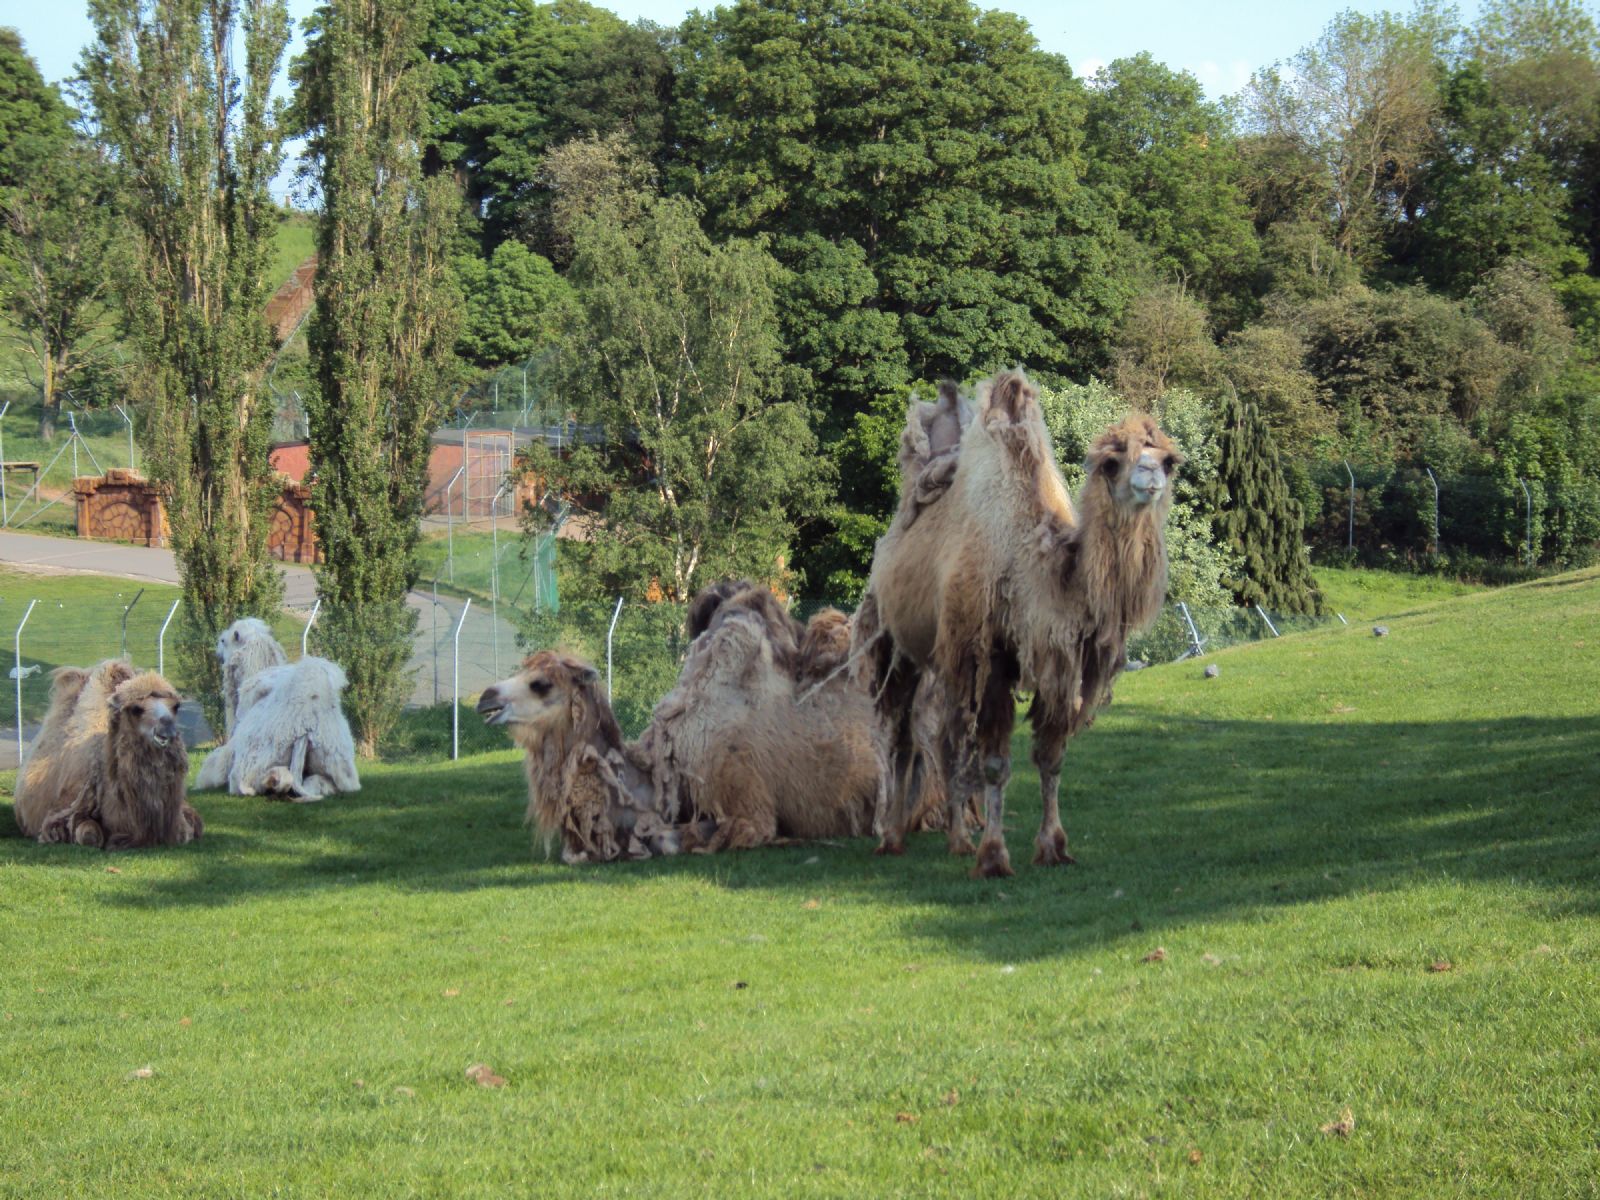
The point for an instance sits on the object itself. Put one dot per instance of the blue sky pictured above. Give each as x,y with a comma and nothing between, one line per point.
1220,42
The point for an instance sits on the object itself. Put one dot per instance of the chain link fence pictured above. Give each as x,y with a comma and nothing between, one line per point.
1413,512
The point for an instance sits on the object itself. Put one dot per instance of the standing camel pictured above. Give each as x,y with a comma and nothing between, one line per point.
1000,584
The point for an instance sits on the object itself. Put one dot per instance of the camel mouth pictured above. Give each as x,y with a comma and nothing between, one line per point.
1146,495
494,714
161,739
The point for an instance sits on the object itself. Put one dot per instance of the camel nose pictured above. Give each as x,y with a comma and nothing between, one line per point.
167,728
490,700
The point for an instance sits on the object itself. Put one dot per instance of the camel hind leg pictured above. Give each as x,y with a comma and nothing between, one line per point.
897,690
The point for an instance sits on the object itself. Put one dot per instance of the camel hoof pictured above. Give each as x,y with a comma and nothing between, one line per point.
994,862
895,846
89,833
1051,850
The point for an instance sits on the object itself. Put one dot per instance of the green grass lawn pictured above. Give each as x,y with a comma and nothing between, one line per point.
1366,595
1371,865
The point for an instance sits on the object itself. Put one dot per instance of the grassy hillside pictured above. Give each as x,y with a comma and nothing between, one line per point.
1348,878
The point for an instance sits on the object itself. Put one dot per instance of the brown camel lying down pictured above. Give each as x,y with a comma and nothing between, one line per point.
733,757
107,767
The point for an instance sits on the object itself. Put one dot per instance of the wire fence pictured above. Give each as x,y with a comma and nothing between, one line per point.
36,474
1412,511
462,643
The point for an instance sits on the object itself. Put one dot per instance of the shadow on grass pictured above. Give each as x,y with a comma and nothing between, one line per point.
1174,821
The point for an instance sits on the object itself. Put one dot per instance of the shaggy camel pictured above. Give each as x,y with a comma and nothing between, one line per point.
244,649
292,739
757,750
133,770
1001,583
583,783
733,757
57,763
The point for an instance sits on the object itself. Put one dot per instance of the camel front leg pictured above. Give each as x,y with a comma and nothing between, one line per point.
960,782
994,860
1050,847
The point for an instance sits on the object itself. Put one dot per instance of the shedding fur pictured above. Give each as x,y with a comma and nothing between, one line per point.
132,765
731,759
929,447
1003,584
584,785
245,649
58,761
292,740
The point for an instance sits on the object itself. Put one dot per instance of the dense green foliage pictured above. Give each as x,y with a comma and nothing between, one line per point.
1357,911
196,145
381,338
688,451
56,234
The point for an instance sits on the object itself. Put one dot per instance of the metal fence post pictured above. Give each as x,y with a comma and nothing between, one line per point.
1529,497
128,608
129,421
433,611
1194,634
617,612
16,670
310,621
494,575
5,511
1352,474
161,639
455,684
1262,613
449,519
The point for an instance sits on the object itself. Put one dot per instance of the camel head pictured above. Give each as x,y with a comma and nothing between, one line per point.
1136,462
826,645
245,629
145,708
554,696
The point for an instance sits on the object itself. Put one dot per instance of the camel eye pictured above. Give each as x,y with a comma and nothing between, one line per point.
1110,467
135,710
540,687
1168,463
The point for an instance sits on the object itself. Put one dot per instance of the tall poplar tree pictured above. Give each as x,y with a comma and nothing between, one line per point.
381,338
196,145
1257,517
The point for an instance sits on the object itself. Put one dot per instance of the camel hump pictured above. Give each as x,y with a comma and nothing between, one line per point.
67,681
1011,398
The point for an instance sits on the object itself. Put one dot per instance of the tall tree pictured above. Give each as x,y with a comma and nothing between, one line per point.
196,145
917,167
516,80
1168,161
673,353
34,122
381,338
55,232
1360,102
1256,517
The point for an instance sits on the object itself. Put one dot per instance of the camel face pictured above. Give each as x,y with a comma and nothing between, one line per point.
538,694
153,714
1137,461
245,629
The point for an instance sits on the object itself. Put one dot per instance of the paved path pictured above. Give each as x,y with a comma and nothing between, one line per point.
488,645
